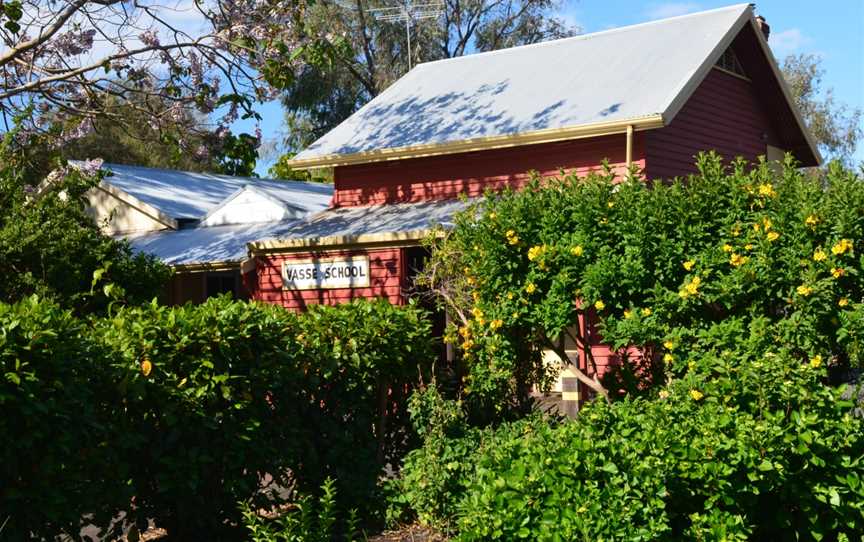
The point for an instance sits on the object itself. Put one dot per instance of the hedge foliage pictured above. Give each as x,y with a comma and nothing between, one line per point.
178,413
745,446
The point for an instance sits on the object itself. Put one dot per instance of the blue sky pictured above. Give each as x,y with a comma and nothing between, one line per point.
832,29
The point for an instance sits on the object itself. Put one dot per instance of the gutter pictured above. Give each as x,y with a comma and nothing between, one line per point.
366,240
483,143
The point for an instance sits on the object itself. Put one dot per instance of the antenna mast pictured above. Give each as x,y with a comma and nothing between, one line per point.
407,13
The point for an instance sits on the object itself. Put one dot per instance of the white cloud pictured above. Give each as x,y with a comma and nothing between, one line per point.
671,9
787,42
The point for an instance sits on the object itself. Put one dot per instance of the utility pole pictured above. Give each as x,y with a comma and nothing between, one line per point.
408,12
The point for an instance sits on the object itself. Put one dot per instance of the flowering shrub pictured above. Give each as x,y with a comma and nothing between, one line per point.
659,264
760,450
750,444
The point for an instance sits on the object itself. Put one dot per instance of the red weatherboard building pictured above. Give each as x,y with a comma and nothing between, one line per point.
651,95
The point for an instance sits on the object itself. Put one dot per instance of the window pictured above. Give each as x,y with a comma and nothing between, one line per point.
729,62
221,283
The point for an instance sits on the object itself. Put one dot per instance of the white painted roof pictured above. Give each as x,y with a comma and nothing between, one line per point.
187,195
367,220
226,244
215,244
616,75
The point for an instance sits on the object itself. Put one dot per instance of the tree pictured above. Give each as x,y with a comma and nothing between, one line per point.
72,61
836,126
365,55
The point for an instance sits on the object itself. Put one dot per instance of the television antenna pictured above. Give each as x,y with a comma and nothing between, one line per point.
408,12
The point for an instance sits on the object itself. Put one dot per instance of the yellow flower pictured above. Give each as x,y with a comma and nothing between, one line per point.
820,255
663,394
535,252
475,296
467,345
841,247
766,223
816,361
767,190
628,314
146,367
604,220
696,395
736,231
737,259
811,220
530,288
804,290
668,345
478,314
727,248
577,250
515,315
837,272
668,358
748,246
510,295
599,305
773,235
688,265
464,331
492,215
756,227
843,302
646,312
512,238
691,288
610,204
470,280
495,324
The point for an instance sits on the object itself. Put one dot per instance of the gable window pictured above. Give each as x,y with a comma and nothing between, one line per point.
729,62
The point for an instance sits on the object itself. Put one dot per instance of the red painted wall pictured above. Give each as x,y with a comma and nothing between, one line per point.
385,272
442,177
724,114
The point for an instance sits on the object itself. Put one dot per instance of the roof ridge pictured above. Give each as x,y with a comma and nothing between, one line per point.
582,37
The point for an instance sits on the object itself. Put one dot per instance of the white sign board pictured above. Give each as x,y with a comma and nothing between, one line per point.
350,272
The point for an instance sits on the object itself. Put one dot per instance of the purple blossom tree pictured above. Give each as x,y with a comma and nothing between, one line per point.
61,61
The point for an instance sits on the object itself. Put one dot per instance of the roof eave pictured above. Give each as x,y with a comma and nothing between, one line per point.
405,238
482,143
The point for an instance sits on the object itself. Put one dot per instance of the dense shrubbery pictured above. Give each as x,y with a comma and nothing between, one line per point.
743,289
658,264
744,446
185,409
51,247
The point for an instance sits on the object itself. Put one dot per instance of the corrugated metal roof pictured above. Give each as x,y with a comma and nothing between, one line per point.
620,74
221,244
216,244
374,219
187,195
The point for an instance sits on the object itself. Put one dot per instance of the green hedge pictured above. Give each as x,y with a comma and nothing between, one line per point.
750,444
185,409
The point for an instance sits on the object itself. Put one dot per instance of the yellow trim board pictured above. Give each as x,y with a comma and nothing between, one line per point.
204,267
482,143
407,238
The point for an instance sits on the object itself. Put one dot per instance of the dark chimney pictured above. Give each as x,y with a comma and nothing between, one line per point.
763,26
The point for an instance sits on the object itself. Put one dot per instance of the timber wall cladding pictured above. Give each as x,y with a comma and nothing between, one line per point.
448,176
385,279
724,114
